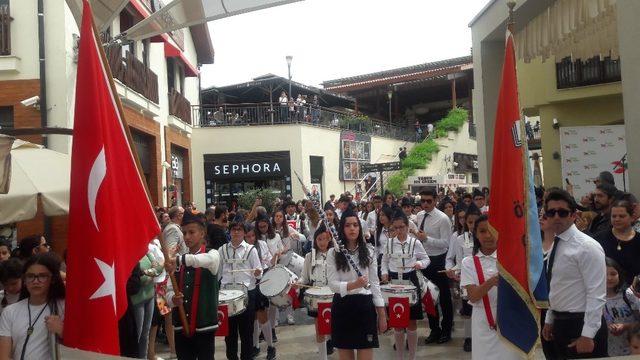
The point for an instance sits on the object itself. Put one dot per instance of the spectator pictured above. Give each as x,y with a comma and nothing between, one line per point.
284,106
418,128
218,116
430,129
173,233
620,313
403,153
605,177
603,197
217,230
315,110
621,243
480,200
329,203
11,279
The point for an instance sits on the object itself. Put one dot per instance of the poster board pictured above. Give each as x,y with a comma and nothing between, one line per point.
355,150
588,150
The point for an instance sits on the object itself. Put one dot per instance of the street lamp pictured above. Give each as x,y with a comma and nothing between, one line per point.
390,95
289,59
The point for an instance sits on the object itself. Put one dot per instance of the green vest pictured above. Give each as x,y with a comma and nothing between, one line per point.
207,312
147,286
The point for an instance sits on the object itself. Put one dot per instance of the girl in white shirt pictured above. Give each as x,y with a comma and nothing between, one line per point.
11,279
25,327
384,232
485,341
265,232
289,237
357,311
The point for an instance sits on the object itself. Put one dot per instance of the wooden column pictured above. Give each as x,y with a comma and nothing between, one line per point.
454,102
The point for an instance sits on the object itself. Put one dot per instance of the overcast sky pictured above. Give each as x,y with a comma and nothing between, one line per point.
330,39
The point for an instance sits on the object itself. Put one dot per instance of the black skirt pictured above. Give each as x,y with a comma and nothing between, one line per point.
354,322
416,309
467,309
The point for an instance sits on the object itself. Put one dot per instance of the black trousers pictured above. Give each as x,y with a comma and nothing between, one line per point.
200,346
242,325
442,282
566,328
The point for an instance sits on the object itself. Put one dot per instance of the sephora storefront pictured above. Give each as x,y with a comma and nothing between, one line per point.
228,176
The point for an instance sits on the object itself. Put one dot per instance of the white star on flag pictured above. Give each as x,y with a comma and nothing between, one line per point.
108,287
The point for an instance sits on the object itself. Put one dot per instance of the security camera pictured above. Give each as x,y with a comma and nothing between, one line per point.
32,101
555,124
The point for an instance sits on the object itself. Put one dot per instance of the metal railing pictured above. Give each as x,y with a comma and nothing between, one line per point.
5,30
132,72
179,106
275,114
592,71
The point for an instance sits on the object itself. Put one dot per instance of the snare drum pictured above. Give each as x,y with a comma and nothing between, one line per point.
296,264
399,291
426,284
313,296
235,300
276,284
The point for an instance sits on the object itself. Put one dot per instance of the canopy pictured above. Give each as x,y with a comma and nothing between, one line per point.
35,171
176,14
5,162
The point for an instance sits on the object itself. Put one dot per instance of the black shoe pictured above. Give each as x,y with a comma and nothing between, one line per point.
444,339
274,338
432,338
271,353
467,345
329,347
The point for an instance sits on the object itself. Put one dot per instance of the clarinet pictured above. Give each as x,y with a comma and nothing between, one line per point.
332,229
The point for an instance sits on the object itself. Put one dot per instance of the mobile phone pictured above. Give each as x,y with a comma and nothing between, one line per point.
567,181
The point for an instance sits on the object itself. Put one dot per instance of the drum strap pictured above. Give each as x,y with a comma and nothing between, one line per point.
195,295
485,298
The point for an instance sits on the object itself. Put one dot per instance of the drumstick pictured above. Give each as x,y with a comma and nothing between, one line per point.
241,270
308,286
262,282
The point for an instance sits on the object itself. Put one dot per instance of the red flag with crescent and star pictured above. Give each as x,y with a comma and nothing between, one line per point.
223,321
323,321
111,220
399,312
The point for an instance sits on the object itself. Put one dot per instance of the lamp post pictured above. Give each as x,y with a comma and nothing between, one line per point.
289,59
390,95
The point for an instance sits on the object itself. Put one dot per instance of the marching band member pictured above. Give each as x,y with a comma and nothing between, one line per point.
197,274
384,232
315,273
357,312
459,249
289,237
277,248
480,278
262,322
241,265
403,256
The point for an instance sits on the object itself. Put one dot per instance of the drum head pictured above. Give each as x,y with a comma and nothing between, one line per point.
228,295
322,291
275,281
397,288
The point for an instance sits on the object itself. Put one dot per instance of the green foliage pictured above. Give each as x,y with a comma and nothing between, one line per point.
421,154
357,123
268,196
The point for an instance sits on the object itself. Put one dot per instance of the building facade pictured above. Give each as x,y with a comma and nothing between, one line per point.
157,80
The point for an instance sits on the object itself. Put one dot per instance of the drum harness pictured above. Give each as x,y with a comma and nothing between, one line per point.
232,259
320,265
412,247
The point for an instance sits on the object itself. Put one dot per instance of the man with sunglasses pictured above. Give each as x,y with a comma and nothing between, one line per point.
577,294
434,230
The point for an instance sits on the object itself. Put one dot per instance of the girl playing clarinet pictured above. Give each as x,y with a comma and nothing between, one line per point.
357,311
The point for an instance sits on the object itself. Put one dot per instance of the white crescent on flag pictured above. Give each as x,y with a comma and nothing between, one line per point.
96,176
401,307
323,312
220,316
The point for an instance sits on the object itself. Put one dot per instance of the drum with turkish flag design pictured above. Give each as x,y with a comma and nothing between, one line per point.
399,312
323,321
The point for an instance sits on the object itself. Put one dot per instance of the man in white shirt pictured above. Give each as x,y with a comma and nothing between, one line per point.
578,276
434,230
372,218
173,233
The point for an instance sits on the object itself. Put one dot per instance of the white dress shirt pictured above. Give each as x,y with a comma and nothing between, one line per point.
461,246
208,260
266,257
314,271
242,257
338,280
401,256
437,226
382,240
371,222
579,279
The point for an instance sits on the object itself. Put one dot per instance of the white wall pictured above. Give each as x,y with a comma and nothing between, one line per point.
301,141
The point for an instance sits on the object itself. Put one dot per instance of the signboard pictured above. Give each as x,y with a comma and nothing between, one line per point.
465,163
424,180
355,150
390,166
588,150
177,166
263,165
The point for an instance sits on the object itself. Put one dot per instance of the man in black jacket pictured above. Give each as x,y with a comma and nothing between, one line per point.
217,230
603,197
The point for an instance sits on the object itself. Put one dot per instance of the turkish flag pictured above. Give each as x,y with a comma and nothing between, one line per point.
428,304
295,301
323,321
111,220
223,321
399,312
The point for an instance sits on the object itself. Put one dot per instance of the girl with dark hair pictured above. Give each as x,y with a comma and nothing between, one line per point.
32,245
314,273
620,312
11,279
290,238
25,327
357,311
480,278
5,250
384,229
621,242
446,206
460,248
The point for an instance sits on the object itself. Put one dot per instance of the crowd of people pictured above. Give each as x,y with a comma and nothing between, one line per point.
439,240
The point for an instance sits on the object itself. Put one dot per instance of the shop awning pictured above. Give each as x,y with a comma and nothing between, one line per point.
172,51
35,172
5,162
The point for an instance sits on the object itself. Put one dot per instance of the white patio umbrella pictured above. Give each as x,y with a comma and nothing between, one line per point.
35,172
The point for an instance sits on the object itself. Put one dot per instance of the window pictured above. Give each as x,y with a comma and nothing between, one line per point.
6,115
171,74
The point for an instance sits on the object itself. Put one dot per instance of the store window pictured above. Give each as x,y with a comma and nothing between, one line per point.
176,189
6,116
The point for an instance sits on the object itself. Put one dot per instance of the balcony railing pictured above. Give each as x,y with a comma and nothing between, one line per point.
5,30
132,72
589,72
179,106
275,114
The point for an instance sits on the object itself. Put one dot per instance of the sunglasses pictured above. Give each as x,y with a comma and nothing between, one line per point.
563,213
428,201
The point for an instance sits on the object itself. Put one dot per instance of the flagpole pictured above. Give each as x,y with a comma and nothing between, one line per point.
172,278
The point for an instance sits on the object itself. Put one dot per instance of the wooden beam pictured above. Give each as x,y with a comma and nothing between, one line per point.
36,131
